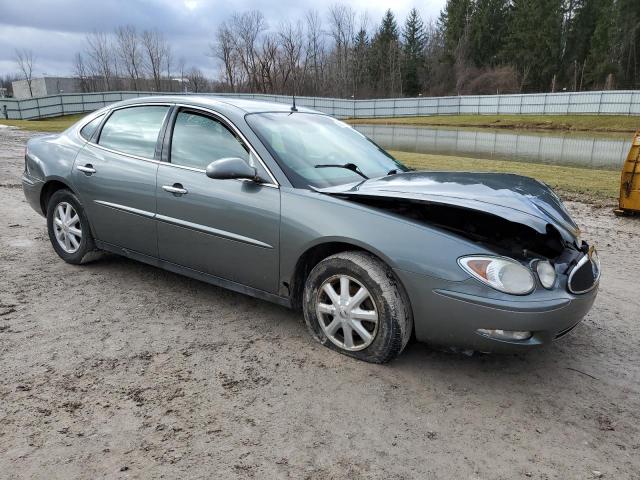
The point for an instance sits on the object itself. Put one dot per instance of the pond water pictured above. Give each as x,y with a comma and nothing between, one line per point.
574,149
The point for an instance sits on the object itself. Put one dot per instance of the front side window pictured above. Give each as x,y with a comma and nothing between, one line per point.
89,128
199,140
320,151
134,130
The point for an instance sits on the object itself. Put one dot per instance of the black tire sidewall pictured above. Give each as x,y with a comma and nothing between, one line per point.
388,341
86,242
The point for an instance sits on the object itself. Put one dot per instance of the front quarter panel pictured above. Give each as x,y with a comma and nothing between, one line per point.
311,218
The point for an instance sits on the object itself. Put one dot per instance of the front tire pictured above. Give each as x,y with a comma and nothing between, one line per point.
353,304
69,229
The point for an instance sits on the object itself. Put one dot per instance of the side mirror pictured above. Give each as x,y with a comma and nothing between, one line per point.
230,168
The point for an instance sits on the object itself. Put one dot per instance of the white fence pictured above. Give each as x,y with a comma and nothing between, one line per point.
581,103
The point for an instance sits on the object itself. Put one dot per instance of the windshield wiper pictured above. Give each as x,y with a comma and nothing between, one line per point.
349,166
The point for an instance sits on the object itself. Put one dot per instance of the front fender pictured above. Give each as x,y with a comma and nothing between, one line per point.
311,218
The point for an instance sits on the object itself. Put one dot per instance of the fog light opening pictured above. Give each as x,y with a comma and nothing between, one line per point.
511,335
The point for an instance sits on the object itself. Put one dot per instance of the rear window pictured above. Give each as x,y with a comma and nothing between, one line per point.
134,130
88,130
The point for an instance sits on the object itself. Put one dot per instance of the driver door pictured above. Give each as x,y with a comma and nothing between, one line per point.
226,228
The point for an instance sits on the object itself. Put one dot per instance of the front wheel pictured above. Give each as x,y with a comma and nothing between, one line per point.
69,229
354,305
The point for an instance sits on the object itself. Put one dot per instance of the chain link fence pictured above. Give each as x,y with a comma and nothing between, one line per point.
566,103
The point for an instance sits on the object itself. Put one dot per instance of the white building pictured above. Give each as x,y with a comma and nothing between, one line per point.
43,86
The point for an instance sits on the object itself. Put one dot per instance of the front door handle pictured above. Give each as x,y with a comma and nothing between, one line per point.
176,189
87,169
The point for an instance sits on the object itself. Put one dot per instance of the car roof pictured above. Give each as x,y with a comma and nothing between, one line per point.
217,101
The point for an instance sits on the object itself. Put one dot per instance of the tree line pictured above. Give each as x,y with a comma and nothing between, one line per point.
473,47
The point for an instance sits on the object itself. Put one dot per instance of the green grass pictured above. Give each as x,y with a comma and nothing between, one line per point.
56,124
572,183
570,123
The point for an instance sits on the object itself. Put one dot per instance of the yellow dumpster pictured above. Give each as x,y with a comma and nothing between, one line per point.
629,201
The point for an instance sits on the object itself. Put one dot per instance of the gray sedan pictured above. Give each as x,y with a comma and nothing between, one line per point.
298,208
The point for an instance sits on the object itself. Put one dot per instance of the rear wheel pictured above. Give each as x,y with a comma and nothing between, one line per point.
354,305
69,229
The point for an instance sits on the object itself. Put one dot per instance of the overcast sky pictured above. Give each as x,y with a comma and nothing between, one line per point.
55,29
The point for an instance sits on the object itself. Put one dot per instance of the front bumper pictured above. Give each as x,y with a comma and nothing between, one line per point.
32,189
450,313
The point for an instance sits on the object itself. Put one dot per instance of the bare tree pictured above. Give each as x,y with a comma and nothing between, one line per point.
197,81
341,30
101,58
267,58
130,53
224,49
315,50
181,70
291,41
81,73
168,63
247,28
156,51
24,59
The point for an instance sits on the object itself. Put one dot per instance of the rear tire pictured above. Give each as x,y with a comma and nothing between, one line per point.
69,229
372,321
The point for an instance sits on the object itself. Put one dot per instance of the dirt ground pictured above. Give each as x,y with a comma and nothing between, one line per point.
119,370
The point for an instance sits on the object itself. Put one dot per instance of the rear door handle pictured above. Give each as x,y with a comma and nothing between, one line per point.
176,189
88,169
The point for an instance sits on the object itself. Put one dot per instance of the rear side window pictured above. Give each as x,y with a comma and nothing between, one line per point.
198,140
133,130
89,128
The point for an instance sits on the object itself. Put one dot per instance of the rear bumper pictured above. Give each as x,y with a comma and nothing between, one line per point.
450,313
32,189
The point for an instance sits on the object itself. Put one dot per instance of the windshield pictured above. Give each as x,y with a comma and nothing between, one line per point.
320,151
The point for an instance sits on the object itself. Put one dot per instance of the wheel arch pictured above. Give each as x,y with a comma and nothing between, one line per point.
314,254
50,187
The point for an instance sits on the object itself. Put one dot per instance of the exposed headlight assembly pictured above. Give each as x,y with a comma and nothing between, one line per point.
501,273
546,273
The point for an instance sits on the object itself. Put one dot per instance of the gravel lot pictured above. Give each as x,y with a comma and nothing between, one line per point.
120,370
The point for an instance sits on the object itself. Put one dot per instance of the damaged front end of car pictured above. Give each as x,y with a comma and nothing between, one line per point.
538,267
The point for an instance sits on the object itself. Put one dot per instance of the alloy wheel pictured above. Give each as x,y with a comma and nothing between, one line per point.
67,227
347,313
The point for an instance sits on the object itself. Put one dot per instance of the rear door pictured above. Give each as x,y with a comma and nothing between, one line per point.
115,174
226,228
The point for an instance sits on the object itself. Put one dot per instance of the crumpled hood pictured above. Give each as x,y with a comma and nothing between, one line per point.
513,197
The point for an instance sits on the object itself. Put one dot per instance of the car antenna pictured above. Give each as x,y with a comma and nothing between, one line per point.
293,107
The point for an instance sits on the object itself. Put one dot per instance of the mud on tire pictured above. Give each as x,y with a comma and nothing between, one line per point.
394,317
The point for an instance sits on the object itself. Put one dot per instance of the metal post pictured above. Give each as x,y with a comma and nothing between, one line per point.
600,102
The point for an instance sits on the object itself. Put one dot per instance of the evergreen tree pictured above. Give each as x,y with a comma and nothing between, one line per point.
627,42
487,29
579,40
453,23
601,61
385,58
534,42
360,61
414,37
